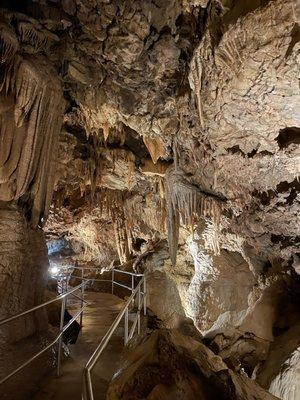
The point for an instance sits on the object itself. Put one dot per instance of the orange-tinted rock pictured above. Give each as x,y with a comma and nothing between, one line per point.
156,147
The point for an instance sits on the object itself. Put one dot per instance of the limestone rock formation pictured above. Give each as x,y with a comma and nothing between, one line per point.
162,135
23,257
31,117
170,365
23,277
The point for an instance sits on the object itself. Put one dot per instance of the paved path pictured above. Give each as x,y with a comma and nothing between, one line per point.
97,319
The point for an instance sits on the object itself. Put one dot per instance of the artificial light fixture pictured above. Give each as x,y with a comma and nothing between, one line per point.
54,270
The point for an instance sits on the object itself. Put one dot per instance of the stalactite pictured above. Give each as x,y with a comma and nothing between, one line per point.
156,147
30,126
210,236
175,153
173,226
196,77
162,195
121,240
94,165
112,202
39,39
105,129
186,203
9,44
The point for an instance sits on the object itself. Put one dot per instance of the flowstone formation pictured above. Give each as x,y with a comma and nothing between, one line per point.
31,114
163,135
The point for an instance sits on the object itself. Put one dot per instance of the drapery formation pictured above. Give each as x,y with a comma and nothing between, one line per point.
185,204
112,202
31,110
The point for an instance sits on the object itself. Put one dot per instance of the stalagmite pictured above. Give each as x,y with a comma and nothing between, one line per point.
195,81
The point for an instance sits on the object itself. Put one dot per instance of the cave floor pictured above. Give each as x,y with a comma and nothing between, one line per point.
98,317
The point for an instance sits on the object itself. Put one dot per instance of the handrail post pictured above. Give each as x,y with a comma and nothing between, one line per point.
112,281
67,281
82,295
139,310
60,340
127,335
145,295
126,327
132,287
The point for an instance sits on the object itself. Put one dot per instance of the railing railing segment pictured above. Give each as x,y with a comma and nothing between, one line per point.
62,328
138,294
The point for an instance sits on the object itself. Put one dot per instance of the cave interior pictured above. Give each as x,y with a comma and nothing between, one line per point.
159,138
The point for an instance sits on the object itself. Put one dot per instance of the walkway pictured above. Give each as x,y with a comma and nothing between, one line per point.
98,317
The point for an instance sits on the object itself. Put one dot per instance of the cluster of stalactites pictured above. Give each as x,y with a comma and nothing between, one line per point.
35,35
94,165
104,160
9,44
31,110
123,241
149,210
112,203
185,205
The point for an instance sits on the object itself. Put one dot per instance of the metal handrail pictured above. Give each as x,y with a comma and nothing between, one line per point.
46,303
101,270
62,328
113,271
72,294
86,279
59,336
88,393
101,280
128,272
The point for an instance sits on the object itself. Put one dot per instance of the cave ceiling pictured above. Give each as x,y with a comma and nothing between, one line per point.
174,111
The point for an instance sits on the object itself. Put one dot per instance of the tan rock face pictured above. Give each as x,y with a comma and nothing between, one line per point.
23,266
29,134
245,83
156,148
169,365
280,372
213,294
286,384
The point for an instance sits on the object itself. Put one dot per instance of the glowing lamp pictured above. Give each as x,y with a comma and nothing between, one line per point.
54,270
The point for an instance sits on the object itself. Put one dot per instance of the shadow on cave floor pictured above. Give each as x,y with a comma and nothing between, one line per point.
97,319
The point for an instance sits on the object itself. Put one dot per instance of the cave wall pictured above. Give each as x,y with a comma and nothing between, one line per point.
30,121
24,264
23,277
31,110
